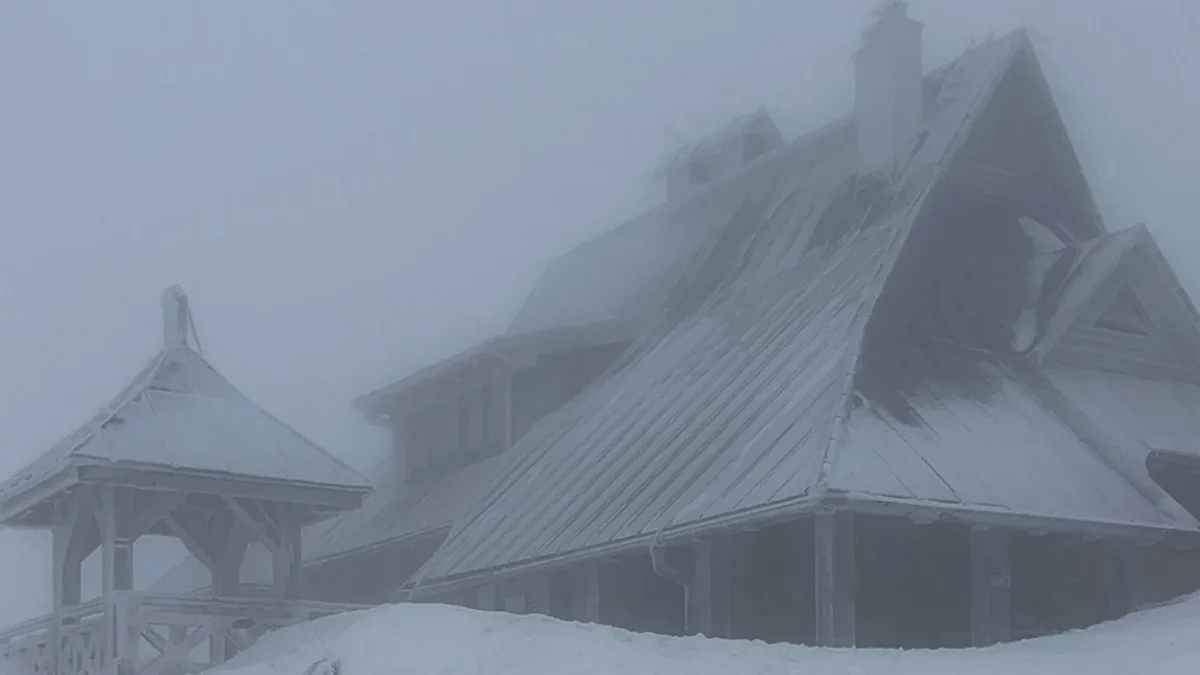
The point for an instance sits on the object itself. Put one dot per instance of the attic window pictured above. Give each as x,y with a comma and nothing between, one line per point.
1126,315
754,145
701,171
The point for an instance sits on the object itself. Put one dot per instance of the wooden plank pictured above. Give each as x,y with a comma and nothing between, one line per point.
585,592
990,583
836,579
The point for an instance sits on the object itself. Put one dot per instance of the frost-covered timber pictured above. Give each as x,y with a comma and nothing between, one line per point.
179,453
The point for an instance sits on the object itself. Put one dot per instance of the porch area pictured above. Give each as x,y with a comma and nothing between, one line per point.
142,634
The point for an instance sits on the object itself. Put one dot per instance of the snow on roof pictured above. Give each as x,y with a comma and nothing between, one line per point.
732,407
1008,454
428,638
655,249
180,414
1143,415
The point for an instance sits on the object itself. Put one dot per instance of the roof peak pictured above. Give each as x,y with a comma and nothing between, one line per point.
177,317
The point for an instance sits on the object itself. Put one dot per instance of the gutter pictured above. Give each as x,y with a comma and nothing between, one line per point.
762,517
661,567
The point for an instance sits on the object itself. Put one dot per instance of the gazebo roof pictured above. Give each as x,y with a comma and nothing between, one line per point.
180,426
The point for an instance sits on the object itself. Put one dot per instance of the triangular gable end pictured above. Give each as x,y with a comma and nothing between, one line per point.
1019,153
1135,323
1126,315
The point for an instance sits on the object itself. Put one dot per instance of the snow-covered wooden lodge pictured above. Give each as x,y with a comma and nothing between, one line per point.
893,383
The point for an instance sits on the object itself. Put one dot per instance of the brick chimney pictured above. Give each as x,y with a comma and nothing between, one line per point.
888,88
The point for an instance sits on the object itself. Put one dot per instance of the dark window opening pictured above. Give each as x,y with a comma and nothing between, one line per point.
1126,315
457,432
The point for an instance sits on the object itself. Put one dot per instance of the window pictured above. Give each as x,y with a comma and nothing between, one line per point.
1126,315
459,431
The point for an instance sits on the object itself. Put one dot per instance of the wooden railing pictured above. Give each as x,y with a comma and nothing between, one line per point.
142,634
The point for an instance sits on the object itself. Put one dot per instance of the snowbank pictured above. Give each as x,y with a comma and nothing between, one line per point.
441,640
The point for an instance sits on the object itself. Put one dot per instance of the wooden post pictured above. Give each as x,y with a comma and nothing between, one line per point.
487,598
836,579
67,579
286,557
585,592
114,517
990,585
709,600
1129,590
537,594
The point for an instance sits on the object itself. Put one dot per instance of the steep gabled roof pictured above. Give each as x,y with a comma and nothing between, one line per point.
179,417
1108,265
731,410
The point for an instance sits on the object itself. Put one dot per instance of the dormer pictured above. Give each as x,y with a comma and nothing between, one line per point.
721,155
480,402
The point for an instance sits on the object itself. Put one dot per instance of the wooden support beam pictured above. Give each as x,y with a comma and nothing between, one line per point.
67,581
228,580
537,594
285,576
195,545
259,524
836,579
152,508
990,585
709,600
116,517
585,592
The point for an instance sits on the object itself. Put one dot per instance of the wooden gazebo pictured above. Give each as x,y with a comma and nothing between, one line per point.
180,452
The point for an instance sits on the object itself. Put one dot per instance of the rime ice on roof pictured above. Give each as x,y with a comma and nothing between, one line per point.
743,405
180,418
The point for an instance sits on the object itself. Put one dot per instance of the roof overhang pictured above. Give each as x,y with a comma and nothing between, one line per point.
921,512
27,506
321,498
496,357
31,506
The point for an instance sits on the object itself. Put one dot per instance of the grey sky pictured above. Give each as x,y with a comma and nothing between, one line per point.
349,190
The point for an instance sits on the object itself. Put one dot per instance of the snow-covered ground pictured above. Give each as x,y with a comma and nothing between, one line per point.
440,640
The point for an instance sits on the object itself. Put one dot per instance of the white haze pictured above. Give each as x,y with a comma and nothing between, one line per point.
349,190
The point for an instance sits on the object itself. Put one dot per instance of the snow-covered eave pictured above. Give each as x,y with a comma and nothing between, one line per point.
376,547
320,496
501,354
19,508
918,511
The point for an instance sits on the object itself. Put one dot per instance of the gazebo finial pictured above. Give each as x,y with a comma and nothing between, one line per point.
176,317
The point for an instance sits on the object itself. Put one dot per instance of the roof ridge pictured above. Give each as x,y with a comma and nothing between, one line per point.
1014,42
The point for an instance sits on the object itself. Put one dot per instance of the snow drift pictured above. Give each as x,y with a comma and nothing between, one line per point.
435,639
447,640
